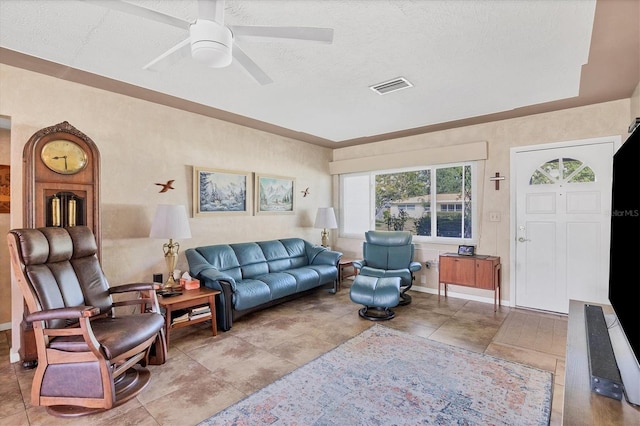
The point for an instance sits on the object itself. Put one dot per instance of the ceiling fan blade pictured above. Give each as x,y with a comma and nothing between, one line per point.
211,10
255,33
142,12
170,57
251,67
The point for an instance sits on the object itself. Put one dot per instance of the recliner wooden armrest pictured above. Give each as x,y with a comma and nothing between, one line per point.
125,288
63,313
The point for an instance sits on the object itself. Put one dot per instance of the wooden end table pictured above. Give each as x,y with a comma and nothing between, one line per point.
190,299
345,262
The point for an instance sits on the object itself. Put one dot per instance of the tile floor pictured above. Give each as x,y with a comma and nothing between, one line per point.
205,374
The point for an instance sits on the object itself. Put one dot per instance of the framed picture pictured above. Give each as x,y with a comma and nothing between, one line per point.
217,192
5,189
274,194
467,250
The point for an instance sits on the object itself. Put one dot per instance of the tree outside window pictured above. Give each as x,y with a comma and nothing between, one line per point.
404,201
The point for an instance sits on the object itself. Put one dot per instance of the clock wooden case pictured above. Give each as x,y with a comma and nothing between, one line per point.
62,179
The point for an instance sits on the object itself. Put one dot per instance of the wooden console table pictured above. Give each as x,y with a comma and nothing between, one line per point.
477,271
581,406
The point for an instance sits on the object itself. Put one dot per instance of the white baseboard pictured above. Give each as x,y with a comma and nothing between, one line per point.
13,356
460,295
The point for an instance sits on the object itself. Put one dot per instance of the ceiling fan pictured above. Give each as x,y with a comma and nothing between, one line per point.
212,43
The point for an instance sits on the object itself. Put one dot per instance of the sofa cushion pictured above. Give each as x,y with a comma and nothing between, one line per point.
251,259
250,293
306,278
326,273
297,253
223,258
280,284
279,255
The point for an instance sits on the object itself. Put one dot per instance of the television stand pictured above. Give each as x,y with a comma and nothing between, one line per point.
581,406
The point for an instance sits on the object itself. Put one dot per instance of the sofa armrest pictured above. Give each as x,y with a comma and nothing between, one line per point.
359,264
213,275
415,266
216,280
327,257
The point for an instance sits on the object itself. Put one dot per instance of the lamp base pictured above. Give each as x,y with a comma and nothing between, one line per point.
171,283
325,238
171,259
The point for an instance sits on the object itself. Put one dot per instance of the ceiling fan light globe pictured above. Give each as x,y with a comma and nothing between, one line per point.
211,43
211,54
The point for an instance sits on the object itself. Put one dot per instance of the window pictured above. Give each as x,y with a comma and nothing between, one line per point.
418,200
406,206
451,207
561,170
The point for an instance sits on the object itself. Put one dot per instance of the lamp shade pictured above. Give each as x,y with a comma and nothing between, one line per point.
170,222
326,218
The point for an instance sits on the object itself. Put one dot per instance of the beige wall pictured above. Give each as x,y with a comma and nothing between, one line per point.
142,143
607,119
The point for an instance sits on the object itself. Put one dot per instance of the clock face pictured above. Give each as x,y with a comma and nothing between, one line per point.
63,156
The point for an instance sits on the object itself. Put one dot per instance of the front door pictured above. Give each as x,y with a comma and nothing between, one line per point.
563,203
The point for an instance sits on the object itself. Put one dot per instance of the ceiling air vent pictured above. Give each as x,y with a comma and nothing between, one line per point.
391,86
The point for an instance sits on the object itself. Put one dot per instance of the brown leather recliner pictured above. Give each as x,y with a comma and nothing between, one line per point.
89,359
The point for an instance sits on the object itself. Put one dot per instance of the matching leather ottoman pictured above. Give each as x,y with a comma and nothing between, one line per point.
377,294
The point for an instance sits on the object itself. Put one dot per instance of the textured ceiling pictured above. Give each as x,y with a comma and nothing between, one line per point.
466,59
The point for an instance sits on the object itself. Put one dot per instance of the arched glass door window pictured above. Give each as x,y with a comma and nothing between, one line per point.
562,170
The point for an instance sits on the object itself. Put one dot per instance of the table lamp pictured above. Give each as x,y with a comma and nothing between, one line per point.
325,219
170,222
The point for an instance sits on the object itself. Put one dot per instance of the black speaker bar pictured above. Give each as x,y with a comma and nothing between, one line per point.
605,377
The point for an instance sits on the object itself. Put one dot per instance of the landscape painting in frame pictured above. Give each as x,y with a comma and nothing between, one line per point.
221,192
274,194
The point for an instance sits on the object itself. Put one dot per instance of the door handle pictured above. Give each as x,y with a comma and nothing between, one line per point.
522,239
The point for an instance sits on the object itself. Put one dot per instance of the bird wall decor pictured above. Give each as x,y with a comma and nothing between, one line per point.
166,186
305,192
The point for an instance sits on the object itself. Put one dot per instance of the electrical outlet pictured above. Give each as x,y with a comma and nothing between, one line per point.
494,216
423,279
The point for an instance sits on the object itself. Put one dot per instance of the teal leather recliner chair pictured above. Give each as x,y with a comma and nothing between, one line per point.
389,254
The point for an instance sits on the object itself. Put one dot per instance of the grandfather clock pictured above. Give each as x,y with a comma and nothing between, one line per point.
61,188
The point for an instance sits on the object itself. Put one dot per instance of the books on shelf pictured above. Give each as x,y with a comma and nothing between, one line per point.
180,317
202,315
200,310
191,314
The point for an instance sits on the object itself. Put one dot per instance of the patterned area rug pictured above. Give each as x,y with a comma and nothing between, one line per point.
388,377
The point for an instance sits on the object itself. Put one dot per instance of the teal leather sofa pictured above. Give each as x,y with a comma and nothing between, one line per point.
255,275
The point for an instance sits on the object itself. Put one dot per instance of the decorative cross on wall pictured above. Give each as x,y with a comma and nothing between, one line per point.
497,180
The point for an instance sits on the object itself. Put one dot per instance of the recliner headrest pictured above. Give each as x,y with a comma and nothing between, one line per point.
84,243
388,238
53,244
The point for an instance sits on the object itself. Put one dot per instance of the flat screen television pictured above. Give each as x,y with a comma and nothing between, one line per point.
624,266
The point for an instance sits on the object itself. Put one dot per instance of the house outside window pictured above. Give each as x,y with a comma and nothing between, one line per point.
418,200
